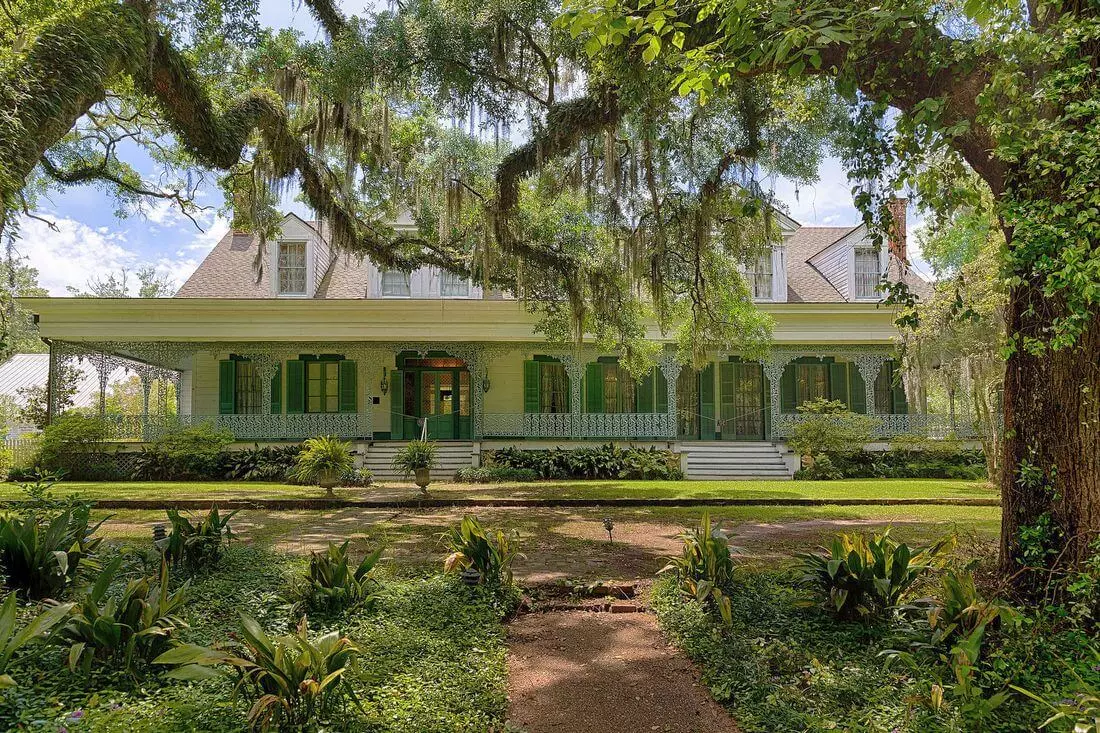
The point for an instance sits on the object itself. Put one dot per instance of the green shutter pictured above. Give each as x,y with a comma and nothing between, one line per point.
838,383
767,402
397,404
706,403
661,398
348,388
899,404
788,390
645,392
532,385
727,392
295,387
227,387
277,391
593,378
857,390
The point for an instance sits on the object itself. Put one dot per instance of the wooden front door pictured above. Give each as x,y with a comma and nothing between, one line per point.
742,396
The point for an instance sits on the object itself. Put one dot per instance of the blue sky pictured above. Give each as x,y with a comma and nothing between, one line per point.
92,242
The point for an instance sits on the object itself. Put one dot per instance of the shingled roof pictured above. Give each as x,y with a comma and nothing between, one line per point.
230,271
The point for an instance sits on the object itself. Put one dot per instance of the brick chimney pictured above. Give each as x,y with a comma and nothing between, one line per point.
896,240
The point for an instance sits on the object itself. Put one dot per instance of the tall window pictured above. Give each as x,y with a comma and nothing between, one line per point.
322,386
553,388
247,389
292,268
867,272
454,286
760,277
812,381
395,284
620,392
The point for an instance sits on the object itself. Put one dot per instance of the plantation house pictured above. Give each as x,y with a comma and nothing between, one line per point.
309,342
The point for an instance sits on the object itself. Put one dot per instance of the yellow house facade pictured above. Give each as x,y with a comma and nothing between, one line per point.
307,341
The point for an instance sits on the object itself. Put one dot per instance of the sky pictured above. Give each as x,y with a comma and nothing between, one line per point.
91,242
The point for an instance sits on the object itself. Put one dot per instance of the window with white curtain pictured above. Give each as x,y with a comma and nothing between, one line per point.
395,284
761,276
292,268
867,272
454,286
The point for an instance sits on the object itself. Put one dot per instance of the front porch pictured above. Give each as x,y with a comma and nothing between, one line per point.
378,391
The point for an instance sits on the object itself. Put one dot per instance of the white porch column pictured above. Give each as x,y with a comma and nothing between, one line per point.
774,366
869,366
574,371
670,367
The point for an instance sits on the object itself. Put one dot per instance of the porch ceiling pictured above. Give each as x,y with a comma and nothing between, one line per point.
275,320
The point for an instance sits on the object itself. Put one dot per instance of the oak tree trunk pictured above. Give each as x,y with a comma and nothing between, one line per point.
1051,466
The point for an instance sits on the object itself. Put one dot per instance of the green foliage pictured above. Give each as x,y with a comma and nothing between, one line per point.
1081,710
413,455
35,407
493,475
270,463
187,453
324,461
196,546
705,565
826,426
864,576
897,463
76,445
135,625
14,637
295,681
41,554
491,555
332,585
597,462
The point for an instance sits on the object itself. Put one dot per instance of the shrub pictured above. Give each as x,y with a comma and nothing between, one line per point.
705,565
6,459
490,555
40,554
76,445
826,426
270,463
596,462
358,477
196,546
863,576
136,625
493,474
414,455
332,585
324,461
294,680
14,637
194,453
961,464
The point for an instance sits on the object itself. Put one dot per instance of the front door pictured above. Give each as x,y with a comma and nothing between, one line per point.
687,405
438,404
742,385
435,397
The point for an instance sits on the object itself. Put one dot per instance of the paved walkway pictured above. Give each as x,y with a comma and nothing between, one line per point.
585,672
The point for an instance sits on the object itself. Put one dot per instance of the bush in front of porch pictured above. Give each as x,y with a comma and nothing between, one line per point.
601,462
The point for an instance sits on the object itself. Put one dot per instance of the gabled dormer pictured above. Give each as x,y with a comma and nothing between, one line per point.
298,259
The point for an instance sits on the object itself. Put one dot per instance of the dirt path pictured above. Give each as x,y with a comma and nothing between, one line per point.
584,672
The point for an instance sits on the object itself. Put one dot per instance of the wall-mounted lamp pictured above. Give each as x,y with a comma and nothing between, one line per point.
485,383
384,385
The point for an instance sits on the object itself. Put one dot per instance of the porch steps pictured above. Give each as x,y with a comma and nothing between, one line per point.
450,456
722,460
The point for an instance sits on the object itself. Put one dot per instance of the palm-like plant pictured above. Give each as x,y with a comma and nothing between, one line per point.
196,545
332,584
705,565
472,546
136,625
40,554
324,462
293,679
14,637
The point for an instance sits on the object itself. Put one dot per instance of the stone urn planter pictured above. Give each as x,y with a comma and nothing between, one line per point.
423,477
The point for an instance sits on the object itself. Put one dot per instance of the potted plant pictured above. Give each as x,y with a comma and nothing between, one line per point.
324,462
416,459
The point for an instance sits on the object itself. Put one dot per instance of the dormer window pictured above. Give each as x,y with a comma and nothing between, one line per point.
395,284
454,286
761,275
867,273
292,268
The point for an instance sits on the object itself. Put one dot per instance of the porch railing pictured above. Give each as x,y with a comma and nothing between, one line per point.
568,425
244,427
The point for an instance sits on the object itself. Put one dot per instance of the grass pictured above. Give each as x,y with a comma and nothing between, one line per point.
592,490
433,658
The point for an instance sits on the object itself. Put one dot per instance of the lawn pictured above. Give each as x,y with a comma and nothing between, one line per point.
591,490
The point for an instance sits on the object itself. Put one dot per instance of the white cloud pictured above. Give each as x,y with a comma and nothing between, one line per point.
76,253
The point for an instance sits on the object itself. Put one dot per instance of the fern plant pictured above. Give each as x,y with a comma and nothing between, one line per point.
324,462
332,584
705,566
293,680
